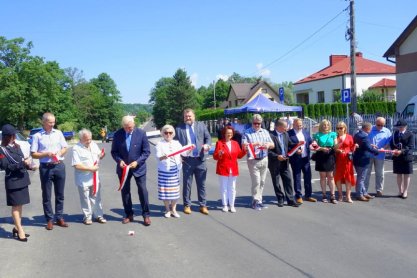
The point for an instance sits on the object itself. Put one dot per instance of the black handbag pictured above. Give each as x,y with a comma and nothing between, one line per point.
314,156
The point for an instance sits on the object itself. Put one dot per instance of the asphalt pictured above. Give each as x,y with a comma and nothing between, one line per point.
375,239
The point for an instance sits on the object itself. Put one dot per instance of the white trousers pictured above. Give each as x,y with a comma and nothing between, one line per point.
228,190
258,170
90,205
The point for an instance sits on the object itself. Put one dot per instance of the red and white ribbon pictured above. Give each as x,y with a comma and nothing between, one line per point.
96,182
183,149
387,151
251,151
295,149
55,158
314,146
123,178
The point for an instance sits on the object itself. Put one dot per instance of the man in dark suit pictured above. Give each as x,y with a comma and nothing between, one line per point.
278,164
362,159
196,133
300,161
130,147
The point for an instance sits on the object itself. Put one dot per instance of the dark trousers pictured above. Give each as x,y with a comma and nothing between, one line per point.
142,192
194,167
281,169
52,174
299,165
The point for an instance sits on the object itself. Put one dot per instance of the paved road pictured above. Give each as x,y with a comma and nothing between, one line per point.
376,239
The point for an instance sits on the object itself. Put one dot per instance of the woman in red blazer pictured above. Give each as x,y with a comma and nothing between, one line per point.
227,153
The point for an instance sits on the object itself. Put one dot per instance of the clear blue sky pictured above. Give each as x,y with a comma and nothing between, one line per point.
138,42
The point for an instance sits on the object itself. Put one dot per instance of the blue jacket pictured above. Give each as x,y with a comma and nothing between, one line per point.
139,150
294,140
201,133
362,155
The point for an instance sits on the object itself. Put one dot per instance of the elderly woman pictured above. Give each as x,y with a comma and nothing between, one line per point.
169,171
325,159
344,173
16,179
227,153
402,143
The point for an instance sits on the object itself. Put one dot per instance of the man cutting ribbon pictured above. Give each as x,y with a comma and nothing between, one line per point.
85,160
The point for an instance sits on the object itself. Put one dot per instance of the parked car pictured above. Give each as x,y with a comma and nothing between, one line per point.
23,143
109,136
32,132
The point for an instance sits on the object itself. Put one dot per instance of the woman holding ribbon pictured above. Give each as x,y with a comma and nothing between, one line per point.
169,166
227,152
16,178
344,173
325,159
402,144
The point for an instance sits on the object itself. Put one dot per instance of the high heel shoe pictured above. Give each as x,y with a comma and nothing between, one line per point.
25,239
15,233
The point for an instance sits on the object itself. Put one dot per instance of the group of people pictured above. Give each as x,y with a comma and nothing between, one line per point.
185,149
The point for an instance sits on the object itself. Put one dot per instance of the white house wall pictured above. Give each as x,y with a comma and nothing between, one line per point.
329,84
406,88
410,44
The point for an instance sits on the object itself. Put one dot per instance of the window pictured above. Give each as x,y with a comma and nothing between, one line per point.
320,97
302,98
236,102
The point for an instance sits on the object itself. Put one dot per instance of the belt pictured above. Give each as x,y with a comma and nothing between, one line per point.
259,158
50,164
193,157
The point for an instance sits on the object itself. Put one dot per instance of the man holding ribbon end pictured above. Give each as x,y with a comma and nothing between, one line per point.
130,149
86,156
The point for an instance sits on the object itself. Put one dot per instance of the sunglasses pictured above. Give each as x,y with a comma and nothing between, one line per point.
338,128
168,132
256,123
379,125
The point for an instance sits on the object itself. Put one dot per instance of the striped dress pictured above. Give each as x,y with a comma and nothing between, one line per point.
168,170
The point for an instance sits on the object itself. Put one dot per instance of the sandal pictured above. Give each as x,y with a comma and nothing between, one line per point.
349,200
324,199
333,199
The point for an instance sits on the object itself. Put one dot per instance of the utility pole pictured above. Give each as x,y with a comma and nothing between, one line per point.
214,93
352,58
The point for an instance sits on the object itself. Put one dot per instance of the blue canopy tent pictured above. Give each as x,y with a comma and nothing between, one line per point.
261,104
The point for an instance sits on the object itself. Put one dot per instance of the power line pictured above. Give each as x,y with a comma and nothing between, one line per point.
301,43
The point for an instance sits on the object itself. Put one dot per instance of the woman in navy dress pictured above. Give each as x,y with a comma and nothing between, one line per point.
402,142
16,178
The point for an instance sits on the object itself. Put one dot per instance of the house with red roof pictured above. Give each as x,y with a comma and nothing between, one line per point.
325,85
404,50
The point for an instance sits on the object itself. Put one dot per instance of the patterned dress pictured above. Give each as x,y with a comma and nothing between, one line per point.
168,170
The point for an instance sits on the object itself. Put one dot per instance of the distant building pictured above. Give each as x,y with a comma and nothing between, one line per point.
326,84
404,50
241,93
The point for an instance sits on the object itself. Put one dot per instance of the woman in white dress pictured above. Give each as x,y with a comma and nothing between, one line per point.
169,170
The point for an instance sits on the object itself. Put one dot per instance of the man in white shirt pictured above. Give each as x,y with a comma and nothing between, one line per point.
85,159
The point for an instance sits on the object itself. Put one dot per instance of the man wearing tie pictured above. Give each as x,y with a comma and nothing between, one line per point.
278,164
130,147
300,161
196,133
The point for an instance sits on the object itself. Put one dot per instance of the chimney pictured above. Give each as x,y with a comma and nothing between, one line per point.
336,58
358,54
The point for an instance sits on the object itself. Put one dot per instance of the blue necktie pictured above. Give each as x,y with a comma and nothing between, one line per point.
128,139
193,141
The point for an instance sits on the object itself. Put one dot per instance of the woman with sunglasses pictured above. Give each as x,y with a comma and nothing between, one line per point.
169,171
227,152
325,159
16,178
344,173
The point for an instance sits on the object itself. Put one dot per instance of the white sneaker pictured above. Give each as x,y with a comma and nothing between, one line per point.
232,209
225,209
167,214
175,214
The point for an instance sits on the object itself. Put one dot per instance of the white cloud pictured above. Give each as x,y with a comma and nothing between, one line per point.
222,77
263,71
194,79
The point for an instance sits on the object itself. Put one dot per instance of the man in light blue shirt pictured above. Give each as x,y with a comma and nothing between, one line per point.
379,138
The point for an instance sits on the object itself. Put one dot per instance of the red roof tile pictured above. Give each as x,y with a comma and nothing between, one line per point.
384,83
340,65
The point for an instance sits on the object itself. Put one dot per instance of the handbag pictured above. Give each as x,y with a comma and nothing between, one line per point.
314,156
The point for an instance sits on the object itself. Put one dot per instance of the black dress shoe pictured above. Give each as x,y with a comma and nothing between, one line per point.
280,205
146,221
293,204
